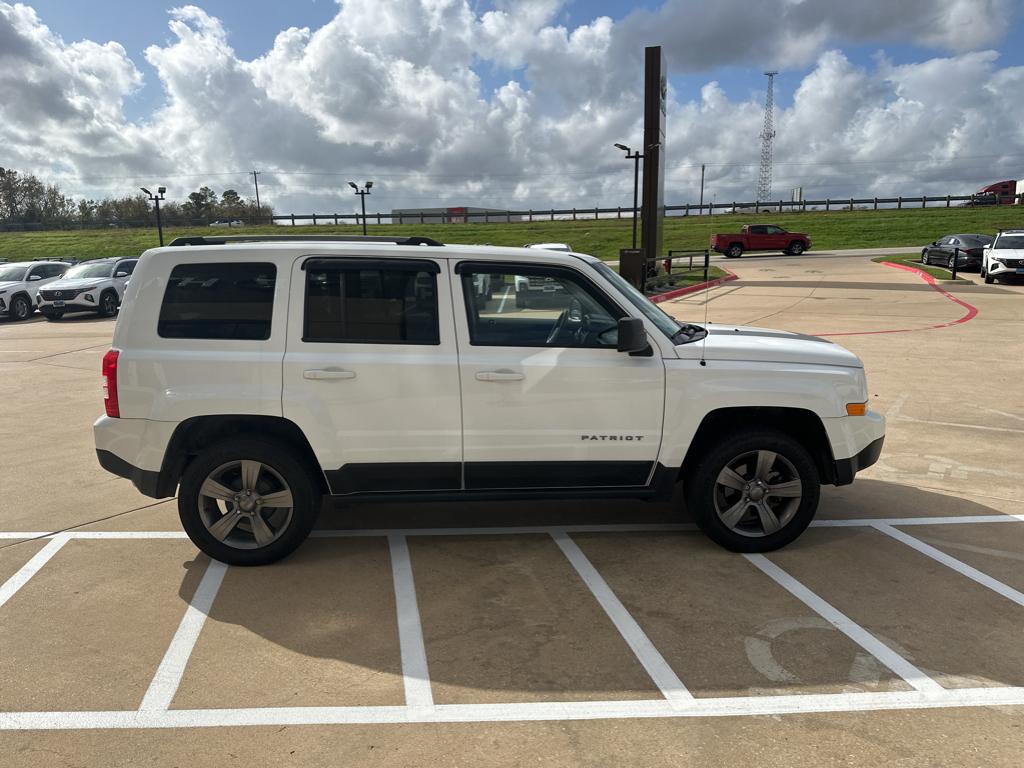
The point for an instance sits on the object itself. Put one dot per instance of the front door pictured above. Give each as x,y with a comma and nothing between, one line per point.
547,401
371,372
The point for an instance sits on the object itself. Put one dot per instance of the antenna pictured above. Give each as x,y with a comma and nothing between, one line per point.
764,176
707,290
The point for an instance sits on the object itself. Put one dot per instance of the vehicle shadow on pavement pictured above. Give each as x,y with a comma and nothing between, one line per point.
505,617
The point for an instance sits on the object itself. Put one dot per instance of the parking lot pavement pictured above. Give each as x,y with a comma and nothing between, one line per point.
584,633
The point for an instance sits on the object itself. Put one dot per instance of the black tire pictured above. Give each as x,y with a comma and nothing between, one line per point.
734,251
20,309
796,248
53,316
988,277
108,304
521,300
924,258
949,263
298,479
703,493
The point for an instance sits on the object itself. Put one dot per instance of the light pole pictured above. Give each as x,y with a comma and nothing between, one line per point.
156,200
362,197
702,190
636,157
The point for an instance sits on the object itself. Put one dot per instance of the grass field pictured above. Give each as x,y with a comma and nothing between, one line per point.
603,238
914,260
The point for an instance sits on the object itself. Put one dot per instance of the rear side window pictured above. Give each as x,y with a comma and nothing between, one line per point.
218,301
370,302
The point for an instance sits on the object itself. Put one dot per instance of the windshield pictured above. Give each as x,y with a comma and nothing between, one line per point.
89,270
13,274
650,310
1009,242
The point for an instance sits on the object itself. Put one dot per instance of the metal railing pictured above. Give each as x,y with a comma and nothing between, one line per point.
551,214
660,274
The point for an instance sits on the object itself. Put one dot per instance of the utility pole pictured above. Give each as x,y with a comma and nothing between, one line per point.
156,201
764,176
702,189
256,183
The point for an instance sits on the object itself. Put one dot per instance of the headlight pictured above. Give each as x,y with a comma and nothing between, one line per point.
1000,259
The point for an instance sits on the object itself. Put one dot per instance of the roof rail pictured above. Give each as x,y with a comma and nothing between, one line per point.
224,239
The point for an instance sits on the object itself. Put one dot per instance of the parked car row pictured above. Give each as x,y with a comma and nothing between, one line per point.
55,287
993,257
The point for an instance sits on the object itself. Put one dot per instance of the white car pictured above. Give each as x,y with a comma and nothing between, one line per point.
227,223
254,378
93,286
1004,257
20,284
563,247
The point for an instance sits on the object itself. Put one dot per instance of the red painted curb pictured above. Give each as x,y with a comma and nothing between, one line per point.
695,288
971,313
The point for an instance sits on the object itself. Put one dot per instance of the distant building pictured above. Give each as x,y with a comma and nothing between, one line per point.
451,215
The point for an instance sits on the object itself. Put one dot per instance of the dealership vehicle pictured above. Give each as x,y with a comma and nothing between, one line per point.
227,223
760,237
966,248
253,376
20,284
1004,257
93,286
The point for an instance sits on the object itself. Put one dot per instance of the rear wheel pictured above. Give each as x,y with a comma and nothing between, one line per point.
247,502
754,491
734,251
20,308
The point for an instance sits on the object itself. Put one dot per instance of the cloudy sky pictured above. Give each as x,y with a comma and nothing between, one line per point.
508,103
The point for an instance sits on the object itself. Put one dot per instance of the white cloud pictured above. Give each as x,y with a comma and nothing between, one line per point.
394,92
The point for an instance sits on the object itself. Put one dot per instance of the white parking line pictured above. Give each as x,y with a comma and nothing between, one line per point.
913,676
29,569
661,673
168,675
951,562
731,706
415,673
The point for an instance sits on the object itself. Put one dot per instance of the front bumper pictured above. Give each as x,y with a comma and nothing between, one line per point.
844,470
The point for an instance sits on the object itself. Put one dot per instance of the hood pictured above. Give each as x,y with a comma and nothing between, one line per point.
6,285
1007,253
75,284
763,345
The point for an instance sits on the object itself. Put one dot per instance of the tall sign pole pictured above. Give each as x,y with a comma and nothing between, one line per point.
653,209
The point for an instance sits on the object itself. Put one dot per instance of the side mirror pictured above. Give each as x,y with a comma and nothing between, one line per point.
120,274
33,278
632,336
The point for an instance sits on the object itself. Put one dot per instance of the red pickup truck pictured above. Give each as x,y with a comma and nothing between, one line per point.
761,237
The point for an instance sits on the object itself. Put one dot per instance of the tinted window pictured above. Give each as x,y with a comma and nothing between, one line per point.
126,266
54,270
218,301
366,302
758,230
536,307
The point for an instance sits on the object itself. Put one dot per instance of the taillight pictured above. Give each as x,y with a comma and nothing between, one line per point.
110,384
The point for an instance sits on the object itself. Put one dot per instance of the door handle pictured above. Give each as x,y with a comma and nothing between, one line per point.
328,373
499,376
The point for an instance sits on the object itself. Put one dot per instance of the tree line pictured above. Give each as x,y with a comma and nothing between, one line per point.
26,202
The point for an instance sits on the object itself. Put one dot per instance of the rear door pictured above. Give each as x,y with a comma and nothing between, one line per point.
548,402
371,372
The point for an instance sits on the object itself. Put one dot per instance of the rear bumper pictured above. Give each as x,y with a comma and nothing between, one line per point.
145,480
846,469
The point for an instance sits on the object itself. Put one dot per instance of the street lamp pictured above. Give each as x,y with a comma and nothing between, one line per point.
156,200
635,157
362,197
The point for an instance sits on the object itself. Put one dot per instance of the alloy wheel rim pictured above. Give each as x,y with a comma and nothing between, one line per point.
245,504
757,493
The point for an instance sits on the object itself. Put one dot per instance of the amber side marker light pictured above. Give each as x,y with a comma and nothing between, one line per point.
856,409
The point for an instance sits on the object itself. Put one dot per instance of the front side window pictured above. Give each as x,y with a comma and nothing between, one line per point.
127,267
526,306
355,302
218,301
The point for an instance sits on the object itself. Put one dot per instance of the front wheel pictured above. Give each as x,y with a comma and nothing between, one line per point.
108,304
796,248
924,258
248,502
754,491
20,308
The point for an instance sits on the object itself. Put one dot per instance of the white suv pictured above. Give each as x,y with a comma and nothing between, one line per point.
257,375
1004,257
93,286
20,284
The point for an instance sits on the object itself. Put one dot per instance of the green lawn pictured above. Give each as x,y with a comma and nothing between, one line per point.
914,260
603,238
